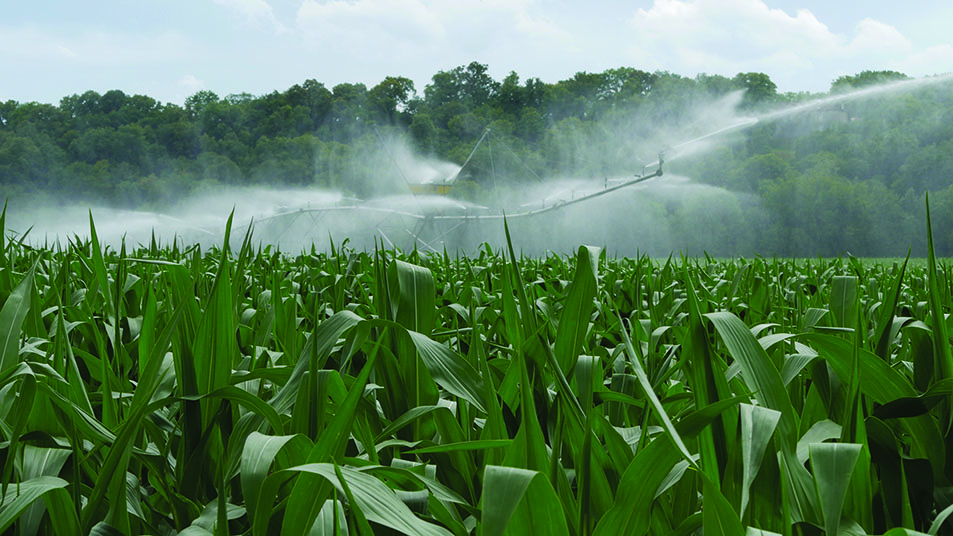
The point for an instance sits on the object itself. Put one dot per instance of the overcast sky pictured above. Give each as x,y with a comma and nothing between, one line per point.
169,49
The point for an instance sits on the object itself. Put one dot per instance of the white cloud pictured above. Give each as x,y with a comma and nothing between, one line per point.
729,36
735,31
66,52
418,37
364,40
271,44
340,24
932,60
254,13
875,37
31,45
191,83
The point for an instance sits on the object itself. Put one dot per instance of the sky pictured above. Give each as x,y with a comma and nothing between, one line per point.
169,49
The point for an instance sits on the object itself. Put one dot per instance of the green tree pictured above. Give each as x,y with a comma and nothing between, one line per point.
23,161
531,125
758,87
312,95
219,168
763,167
218,118
510,95
466,127
125,144
179,139
716,84
112,101
864,79
470,85
37,118
83,105
6,109
389,98
625,84
138,108
928,168
574,97
423,132
198,101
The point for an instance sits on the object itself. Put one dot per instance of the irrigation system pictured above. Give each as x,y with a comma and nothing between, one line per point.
428,218
425,216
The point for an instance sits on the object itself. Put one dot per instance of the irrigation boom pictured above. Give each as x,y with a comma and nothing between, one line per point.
466,213
427,219
562,203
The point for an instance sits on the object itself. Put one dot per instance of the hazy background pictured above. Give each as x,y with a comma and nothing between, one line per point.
788,128
788,174
170,49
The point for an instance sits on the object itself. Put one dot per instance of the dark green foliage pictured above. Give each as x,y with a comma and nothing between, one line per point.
843,178
164,391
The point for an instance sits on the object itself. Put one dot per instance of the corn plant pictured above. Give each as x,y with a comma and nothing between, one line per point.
163,389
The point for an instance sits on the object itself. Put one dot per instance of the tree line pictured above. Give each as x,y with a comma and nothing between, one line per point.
867,160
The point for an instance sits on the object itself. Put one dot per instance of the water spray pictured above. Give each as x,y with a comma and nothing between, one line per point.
362,218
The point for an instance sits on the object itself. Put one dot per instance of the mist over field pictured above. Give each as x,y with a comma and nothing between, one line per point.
476,268
746,170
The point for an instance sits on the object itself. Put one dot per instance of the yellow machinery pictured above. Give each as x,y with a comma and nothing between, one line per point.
430,188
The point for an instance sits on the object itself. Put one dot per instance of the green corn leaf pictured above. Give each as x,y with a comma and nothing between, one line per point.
329,446
3,238
764,379
410,416
25,400
653,398
844,300
330,521
519,501
465,445
577,309
693,423
412,296
62,512
833,464
105,529
326,337
718,517
637,490
258,455
39,462
708,388
195,531
941,341
11,320
757,427
360,520
18,498
821,431
376,501
450,370
99,266
885,317
882,384
529,450
760,373
940,519
214,347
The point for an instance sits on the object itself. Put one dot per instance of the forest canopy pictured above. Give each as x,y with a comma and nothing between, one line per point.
849,177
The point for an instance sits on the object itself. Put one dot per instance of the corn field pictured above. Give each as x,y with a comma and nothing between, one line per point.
165,390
